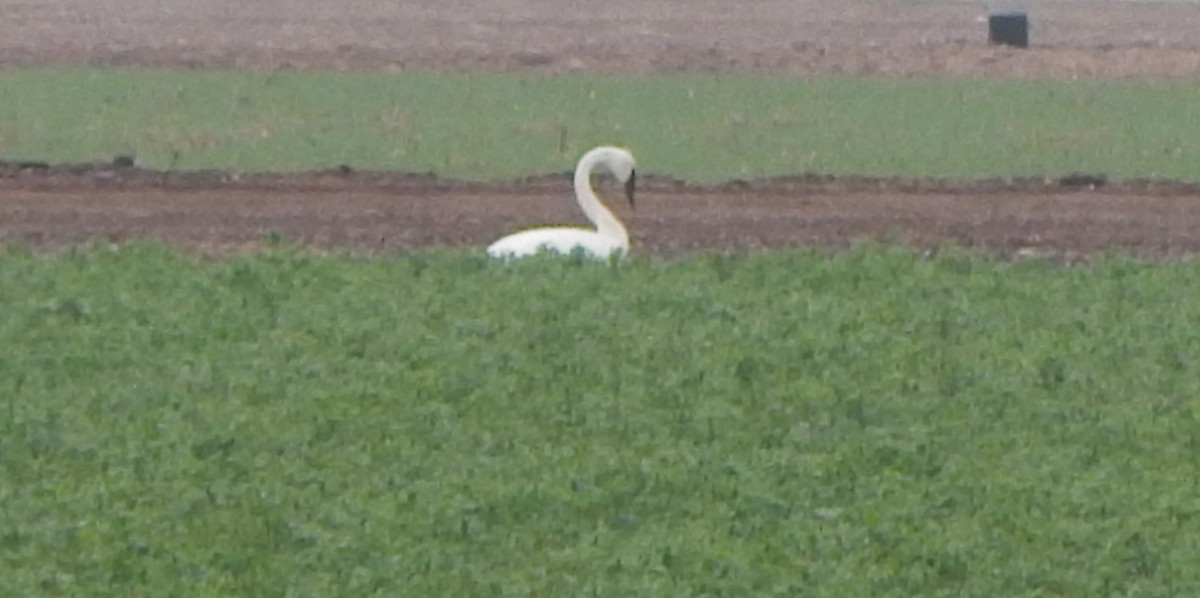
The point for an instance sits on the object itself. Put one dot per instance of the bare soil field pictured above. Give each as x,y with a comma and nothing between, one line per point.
49,208
219,213
1069,38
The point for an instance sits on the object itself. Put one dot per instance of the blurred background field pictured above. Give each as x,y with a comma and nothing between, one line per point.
701,128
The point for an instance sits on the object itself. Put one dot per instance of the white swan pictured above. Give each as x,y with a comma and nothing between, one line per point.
610,235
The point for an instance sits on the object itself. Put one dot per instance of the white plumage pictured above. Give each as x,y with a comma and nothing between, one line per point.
609,236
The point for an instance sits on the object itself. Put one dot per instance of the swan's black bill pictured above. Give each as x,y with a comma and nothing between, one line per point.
629,185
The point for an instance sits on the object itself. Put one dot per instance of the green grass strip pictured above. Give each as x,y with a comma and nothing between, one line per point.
871,423
698,127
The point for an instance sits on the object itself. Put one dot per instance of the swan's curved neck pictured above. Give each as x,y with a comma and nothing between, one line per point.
606,223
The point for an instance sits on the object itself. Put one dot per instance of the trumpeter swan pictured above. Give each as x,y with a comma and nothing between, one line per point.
610,235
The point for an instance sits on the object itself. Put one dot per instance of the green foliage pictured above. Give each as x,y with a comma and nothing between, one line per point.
870,423
698,127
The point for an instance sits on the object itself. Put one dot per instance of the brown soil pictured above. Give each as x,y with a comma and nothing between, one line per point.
52,208
1090,38
221,212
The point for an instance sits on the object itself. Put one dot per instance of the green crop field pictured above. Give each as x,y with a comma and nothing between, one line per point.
866,423
698,127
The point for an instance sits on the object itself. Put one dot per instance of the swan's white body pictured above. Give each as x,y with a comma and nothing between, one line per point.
610,235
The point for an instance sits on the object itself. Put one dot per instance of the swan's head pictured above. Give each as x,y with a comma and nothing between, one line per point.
622,165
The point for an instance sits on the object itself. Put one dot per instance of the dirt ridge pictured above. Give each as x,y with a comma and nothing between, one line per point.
121,173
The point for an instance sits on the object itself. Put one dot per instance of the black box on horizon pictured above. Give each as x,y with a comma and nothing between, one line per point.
1009,29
